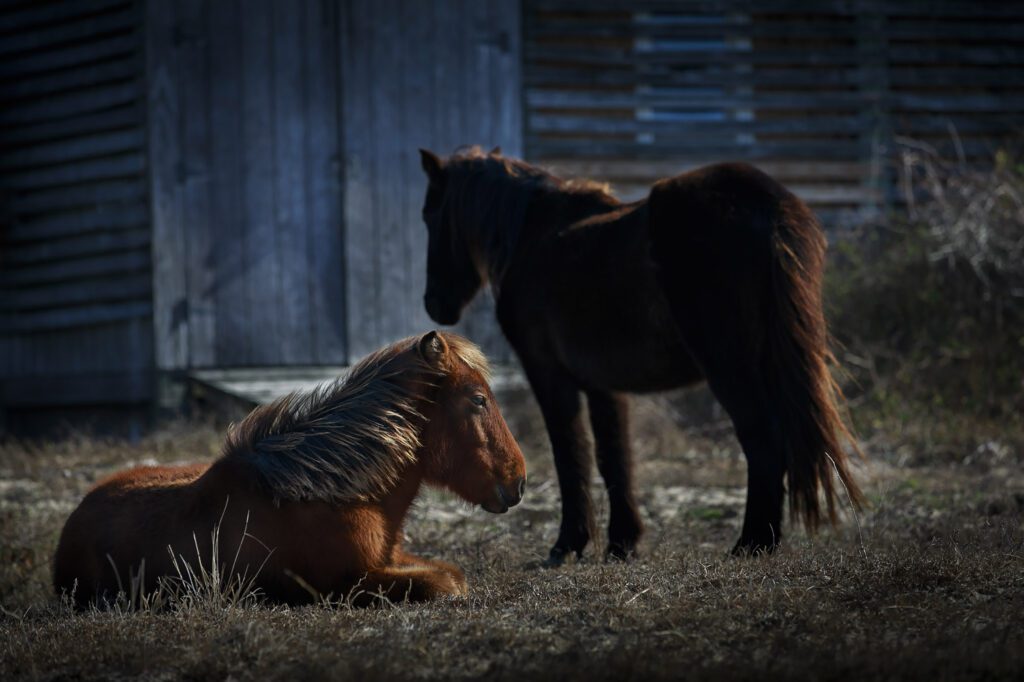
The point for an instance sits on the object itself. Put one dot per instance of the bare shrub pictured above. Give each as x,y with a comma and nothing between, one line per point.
930,304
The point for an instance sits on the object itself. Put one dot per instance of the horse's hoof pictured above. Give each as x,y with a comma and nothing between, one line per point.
558,556
620,552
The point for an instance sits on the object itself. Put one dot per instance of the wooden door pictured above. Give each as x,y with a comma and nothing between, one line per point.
246,193
416,74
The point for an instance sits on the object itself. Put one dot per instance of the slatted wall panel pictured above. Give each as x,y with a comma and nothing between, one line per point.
75,281
955,67
813,92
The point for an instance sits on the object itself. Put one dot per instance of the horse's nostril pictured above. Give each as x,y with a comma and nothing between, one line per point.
522,487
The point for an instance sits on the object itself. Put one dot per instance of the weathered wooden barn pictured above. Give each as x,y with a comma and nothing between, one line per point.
200,186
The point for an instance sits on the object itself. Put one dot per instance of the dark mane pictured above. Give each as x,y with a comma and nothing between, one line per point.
487,196
348,440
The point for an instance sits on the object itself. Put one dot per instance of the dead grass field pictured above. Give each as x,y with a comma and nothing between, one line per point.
927,584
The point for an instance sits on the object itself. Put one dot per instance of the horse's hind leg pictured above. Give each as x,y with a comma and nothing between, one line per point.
738,387
609,419
716,287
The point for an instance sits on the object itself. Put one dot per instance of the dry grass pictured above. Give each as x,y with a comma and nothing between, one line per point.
930,584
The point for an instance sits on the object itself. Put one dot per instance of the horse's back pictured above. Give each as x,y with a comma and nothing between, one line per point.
730,207
734,180
143,477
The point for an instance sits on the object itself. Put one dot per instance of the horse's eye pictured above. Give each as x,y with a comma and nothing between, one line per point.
479,400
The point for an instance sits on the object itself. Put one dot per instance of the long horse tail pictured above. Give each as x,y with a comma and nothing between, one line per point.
811,428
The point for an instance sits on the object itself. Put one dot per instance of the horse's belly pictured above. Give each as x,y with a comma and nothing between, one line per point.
631,345
649,369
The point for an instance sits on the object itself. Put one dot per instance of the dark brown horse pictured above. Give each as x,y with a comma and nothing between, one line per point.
311,491
715,276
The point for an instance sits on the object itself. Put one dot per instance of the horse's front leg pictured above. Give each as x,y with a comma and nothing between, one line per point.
414,582
609,418
405,559
560,403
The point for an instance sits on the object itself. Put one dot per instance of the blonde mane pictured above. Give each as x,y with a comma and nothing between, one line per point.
348,440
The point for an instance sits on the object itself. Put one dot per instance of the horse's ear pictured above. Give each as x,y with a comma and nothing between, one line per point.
432,165
496,151
433,348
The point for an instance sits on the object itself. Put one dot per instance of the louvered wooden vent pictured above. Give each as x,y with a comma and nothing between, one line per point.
75,281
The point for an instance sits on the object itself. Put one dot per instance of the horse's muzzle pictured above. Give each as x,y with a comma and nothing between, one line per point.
506,496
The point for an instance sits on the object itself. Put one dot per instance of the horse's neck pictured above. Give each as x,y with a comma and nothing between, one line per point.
398,500
544,210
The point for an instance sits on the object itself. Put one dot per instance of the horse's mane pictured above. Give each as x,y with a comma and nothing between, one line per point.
487,196
350,439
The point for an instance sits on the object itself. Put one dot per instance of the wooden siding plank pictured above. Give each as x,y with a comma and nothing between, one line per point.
569,123
61,271
101,144
47,227
163,74
118,20
108,48
69,79
64,105
942,75
392,307
726,55
81,389
116,288
830,150
541,75
323,183
626,168
130,165
36,15
818,195
289,217
66,130
419,85
601,100
233,337
75,317
961,8
261,242
82,196
201,255
359,129
76,247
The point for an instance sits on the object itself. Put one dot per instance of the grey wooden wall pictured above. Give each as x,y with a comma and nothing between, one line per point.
75,282
416,74
243,141
286,186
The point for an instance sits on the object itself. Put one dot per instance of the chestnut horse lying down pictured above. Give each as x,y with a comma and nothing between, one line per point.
311,491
